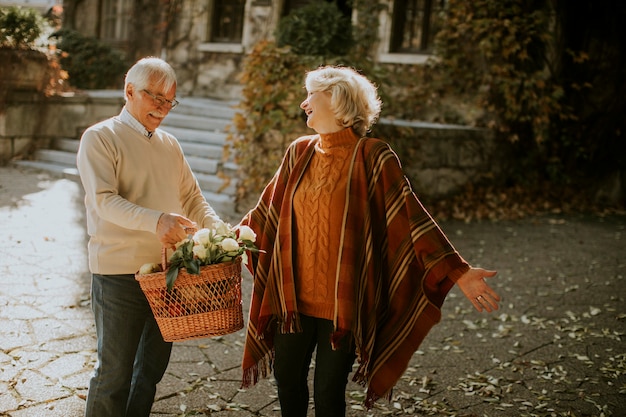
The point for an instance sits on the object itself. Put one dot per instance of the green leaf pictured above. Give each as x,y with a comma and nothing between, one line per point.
192,266
176,257
172,274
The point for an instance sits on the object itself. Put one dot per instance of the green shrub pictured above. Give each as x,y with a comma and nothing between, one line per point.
19,27
316,29
502,62
90,63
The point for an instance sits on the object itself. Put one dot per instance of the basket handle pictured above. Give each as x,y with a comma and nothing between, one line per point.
164,258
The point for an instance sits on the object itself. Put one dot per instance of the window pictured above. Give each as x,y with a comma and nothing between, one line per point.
227,21
115,20
414,25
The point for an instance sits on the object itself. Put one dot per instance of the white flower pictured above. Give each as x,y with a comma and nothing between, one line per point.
222,228
202,236
150,268
210,246
230,245
246,233
201,252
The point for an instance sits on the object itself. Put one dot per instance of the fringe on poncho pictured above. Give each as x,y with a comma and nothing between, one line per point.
398,263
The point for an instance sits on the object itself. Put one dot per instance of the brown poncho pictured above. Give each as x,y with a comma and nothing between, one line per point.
398,263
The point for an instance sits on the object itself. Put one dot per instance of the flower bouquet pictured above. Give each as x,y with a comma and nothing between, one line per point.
208,247
197,293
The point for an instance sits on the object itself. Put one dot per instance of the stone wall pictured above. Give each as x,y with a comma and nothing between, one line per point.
31,121
16,126
23,76
441,159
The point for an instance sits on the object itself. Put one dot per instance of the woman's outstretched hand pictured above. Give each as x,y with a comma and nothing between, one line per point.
474,287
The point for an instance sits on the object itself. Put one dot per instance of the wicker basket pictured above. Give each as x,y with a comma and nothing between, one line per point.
198,306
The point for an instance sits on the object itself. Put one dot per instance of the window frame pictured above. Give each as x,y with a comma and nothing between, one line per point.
386,53
115,14
214,21
223,46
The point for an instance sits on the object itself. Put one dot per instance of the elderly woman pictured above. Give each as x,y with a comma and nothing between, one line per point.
352,264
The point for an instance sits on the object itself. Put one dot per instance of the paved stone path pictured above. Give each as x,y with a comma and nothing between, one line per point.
46,332
556,348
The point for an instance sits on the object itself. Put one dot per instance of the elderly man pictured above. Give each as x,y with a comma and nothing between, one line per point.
140,195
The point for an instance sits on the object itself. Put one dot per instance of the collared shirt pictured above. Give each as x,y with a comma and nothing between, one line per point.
130,120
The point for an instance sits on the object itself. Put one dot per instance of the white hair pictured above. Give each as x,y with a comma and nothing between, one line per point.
354,99
150,71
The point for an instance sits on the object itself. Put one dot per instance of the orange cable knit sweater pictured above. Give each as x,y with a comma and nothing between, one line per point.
318,209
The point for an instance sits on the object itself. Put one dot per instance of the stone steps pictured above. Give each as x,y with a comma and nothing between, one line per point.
184,134
199,124
206,123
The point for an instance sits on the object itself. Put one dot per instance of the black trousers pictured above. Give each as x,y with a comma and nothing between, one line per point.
332,367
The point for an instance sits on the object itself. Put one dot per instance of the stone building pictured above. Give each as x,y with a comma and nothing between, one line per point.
206,40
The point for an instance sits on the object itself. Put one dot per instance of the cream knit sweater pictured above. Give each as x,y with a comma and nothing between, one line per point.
129,181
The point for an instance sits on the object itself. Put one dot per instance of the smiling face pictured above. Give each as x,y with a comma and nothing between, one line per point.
320,116
143,108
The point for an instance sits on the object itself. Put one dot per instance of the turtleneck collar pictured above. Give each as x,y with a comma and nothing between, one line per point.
345,137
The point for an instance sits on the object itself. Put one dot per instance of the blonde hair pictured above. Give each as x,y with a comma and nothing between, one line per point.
150,71
354,99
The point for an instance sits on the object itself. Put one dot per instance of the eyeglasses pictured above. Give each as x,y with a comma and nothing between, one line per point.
160,101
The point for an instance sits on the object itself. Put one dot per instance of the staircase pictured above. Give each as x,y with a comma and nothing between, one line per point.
199,124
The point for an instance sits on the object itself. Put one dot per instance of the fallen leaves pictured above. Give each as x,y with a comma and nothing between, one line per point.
514,203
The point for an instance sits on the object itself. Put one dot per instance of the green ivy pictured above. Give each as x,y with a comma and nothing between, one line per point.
316,29
268,117
89,62
497,53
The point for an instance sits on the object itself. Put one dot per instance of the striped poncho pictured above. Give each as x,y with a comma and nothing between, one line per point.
395,267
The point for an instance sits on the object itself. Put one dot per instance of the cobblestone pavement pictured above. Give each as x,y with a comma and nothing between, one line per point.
556,347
